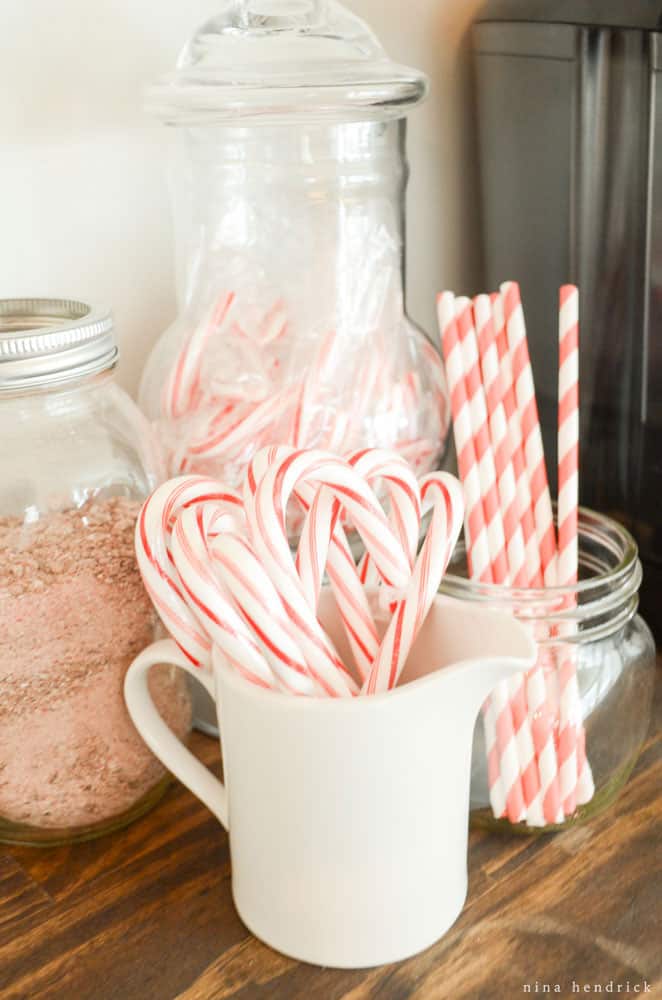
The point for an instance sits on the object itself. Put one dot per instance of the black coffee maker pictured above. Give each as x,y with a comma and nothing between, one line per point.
569,103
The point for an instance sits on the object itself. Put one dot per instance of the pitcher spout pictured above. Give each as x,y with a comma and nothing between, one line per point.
470,652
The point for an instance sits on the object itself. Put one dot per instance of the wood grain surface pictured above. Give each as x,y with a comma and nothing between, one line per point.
147,914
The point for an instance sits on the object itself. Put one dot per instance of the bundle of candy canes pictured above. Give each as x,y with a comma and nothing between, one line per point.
219,568
242,379
535,742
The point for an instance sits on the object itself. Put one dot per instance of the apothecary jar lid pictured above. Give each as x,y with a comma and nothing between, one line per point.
270,59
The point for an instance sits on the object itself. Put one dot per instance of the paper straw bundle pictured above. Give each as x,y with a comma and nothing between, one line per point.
218,566
537,767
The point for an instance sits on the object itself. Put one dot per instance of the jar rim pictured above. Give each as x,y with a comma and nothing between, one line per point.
45,342
591,521
596,606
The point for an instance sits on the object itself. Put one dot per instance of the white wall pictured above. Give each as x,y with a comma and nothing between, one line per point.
84,209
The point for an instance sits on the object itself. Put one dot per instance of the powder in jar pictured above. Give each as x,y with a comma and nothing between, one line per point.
73,614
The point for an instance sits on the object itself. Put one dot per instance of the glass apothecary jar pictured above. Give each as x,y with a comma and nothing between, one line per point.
288,180
590,636
78,459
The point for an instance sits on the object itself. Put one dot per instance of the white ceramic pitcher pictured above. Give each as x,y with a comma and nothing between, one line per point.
347,817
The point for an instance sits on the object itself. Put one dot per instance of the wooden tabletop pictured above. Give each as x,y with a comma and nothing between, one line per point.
146,914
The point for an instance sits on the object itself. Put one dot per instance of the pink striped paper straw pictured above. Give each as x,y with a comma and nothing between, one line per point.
501,445
538,695
524,505
481,436
478,553
572,758
478,550
528,414
498,702
510,693
568,435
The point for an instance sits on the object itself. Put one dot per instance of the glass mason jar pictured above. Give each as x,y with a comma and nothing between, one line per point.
78,458
289,193
593,630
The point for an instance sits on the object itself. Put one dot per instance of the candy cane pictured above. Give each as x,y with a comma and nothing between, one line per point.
405,497
351,598
265,509
232,433
273,325
445,493
152,543
309,389
194,532
181,391
323,544
262,609
267,490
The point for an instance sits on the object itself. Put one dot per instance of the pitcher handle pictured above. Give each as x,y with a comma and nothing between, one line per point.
159,737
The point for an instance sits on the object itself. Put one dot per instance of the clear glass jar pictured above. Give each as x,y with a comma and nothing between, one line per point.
77,462
289,195
595,624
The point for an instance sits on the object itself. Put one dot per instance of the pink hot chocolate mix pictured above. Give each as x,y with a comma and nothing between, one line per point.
73,614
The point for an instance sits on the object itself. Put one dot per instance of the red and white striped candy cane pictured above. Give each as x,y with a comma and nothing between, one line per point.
322,523
445,493
265,510
375,464
478,554
318,373
241,425
152,543
323,544
265,502
262,609
534,455
182,390
195,530
273,325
